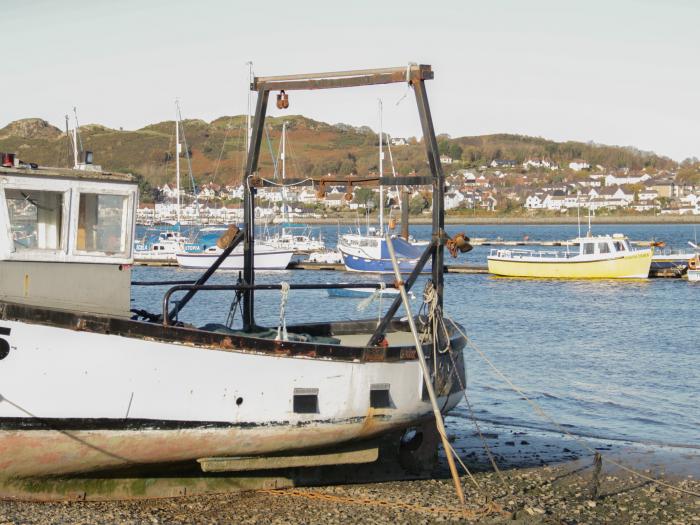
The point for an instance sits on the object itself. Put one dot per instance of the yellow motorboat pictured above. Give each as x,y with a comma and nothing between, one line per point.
597,257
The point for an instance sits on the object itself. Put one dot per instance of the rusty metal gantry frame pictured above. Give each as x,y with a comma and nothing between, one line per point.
415,75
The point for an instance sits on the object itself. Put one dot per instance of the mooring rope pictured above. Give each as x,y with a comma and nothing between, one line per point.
377,294
487,449
282,326
537,408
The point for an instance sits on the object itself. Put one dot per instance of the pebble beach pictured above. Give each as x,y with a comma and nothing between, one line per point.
541,479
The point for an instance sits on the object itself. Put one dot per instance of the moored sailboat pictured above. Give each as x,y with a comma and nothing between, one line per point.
369,252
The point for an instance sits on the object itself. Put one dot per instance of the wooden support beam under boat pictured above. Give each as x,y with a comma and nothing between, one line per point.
243,464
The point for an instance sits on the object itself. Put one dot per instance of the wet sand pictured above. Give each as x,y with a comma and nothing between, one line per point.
544,479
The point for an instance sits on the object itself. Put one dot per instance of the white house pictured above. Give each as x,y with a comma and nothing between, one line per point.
534,202
168,192
579,165
235,192
537,163
453,199
648,195
445,159
399,141
498,163
572,201
553,202
612,180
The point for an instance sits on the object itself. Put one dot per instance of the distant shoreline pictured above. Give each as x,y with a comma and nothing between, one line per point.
660,219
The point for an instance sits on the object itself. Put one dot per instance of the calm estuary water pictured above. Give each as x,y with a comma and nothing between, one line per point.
616,360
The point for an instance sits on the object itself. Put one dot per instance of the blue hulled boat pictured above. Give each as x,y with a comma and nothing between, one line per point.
369,253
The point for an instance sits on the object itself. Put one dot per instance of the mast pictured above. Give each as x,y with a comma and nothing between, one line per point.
285,218
177,157
578,214
381,171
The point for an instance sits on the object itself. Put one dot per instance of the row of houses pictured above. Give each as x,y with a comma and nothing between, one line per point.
613,198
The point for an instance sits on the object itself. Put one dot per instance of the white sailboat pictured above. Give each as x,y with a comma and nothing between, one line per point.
266,257
170,242
299,239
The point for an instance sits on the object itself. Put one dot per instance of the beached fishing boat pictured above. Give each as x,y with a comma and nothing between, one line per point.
597,257
90,381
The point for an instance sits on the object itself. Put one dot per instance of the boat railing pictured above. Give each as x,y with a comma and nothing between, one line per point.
190,286
520,254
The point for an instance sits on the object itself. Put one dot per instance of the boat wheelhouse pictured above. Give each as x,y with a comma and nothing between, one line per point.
90,381
594,257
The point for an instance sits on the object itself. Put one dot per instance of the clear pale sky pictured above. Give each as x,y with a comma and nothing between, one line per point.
615,72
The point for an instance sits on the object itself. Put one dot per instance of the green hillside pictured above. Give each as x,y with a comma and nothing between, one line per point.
314,148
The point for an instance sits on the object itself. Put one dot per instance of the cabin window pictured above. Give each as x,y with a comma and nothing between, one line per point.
372,243
588,248
102,224
35,218
620,246
603,247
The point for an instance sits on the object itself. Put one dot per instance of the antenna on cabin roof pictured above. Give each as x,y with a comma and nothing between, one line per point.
69,141
77,132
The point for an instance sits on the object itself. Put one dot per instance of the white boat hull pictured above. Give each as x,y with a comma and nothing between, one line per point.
694,275
75,401
264,260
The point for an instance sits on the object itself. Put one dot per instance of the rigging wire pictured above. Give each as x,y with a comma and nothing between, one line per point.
187,152
229,127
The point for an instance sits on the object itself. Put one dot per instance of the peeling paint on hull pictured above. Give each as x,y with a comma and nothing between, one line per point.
54,452
76,401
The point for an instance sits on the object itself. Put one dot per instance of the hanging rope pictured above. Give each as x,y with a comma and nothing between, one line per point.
487,449
435,321
539,410
408,82
282,326
377,294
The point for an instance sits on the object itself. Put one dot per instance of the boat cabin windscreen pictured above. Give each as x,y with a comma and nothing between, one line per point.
35,219
101,227
64,220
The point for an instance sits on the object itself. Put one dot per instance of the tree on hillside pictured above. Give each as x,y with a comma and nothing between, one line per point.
367,197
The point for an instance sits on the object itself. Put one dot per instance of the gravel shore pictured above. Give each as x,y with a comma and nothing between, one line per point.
558,494
559,490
